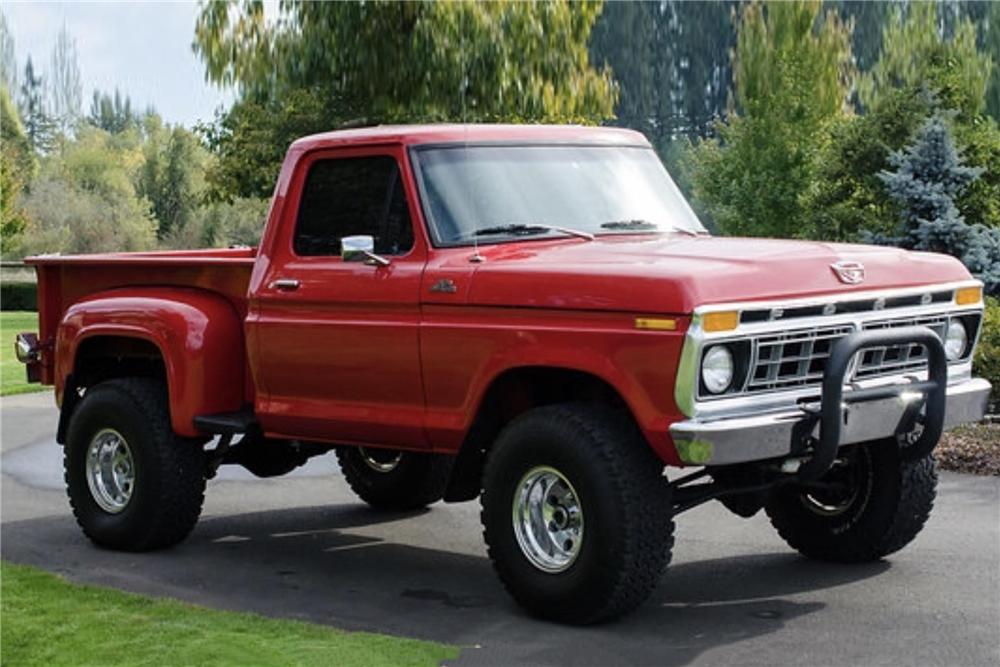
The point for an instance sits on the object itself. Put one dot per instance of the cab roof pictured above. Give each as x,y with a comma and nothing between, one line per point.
472,133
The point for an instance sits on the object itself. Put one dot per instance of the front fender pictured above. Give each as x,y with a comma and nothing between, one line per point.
198,334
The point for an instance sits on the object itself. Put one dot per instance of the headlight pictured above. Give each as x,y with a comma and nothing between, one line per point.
717,369
956,340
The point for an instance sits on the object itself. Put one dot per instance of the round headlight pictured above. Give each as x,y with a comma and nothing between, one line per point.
717,369
956,340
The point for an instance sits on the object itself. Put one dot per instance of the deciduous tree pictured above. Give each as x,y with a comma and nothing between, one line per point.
792,71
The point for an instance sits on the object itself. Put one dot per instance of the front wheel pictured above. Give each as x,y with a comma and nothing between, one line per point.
577,513
132,483
870,504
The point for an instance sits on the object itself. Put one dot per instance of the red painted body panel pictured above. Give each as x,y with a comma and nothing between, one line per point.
465,348
198,333
373,356
338,358
64,281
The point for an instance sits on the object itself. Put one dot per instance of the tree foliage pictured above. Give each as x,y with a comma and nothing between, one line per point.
792,70
38,126
929,176
64,81
8,63
390,61
172,175
915,51
222,224
112,112
86,201
848,196
17,165
671,62
250,139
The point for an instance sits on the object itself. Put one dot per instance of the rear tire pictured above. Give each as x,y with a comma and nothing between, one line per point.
577,513
882,506
390,479
133,484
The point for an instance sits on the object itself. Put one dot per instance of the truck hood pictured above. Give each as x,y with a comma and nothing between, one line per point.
674,273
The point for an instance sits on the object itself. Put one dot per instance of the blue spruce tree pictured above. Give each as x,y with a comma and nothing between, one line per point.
929,175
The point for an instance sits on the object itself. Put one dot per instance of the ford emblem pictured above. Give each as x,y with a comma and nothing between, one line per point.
850,273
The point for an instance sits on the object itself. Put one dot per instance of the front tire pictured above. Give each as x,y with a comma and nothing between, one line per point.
390,479
577,513
878,505
132,483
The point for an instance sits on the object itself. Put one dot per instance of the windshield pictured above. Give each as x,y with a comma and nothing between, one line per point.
491,194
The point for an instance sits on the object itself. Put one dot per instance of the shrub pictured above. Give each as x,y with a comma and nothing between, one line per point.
987,360
18,296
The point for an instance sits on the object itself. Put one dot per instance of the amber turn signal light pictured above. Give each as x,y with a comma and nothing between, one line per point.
968,295
724,321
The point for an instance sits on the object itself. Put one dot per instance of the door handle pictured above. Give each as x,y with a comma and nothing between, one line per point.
285,284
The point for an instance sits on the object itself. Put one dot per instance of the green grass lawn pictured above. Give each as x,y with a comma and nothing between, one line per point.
47,621
12,378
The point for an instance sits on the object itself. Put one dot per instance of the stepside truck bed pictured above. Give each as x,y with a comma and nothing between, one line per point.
64,280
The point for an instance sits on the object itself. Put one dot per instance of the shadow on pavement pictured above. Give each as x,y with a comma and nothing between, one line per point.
318,565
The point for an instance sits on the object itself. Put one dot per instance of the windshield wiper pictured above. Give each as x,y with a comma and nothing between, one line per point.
642,225
630,224
524,229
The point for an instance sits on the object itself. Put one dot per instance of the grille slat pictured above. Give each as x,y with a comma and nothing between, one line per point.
798,358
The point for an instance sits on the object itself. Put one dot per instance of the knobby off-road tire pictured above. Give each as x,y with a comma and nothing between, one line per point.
389,479
132,483
576,513
886,505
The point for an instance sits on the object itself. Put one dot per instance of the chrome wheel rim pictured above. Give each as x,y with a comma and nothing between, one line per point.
852,473
110,471
548,519
381,460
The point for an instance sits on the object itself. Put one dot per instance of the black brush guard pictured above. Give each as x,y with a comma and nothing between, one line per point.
835,401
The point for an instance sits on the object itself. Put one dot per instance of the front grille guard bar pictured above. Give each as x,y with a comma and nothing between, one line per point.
835,402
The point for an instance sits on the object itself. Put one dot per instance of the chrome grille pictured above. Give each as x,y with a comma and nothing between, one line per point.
794,358
896,359
798,358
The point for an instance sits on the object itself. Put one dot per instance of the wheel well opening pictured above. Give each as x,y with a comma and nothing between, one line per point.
108,357
103,358
511,394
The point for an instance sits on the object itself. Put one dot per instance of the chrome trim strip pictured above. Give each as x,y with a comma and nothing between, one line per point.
839,298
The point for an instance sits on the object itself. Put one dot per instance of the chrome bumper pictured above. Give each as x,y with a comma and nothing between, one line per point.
774,435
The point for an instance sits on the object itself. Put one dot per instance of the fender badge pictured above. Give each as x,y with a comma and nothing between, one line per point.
850,273
444,285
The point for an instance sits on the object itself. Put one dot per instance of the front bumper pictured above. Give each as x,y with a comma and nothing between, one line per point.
779,434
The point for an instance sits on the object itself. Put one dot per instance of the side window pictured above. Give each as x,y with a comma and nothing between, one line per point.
353,196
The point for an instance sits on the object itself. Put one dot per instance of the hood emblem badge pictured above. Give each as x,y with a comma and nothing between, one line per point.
444,285
850,273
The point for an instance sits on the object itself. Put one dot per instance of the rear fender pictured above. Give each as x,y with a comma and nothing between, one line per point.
198,333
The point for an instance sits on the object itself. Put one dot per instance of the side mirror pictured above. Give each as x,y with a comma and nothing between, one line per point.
361,249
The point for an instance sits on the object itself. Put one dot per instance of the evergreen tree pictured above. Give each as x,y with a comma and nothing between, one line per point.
929,176
37,124
112,114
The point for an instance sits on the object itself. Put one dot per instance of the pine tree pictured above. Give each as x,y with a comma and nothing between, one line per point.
37,124
929,176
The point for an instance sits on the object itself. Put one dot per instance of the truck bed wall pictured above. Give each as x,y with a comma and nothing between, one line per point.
62,281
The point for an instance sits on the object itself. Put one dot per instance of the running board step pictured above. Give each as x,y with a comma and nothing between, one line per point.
229,423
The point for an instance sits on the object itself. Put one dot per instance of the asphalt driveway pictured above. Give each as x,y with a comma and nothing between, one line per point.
304,547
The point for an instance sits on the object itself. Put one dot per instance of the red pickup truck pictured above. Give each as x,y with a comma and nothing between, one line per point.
530,315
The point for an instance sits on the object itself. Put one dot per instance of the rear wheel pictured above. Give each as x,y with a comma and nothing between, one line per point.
577,513
391,479
133,485
870,504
